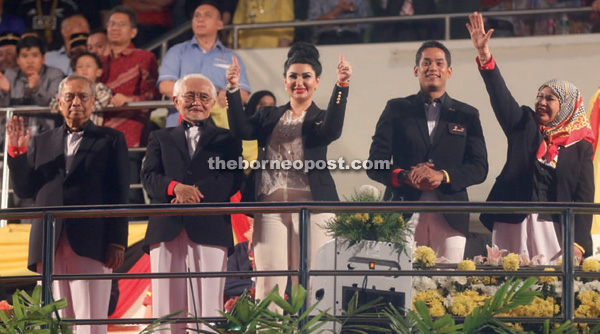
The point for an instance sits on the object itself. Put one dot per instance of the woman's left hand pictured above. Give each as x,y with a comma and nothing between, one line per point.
344,71
233,73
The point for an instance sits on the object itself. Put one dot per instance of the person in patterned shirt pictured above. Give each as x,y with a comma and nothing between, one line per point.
131,74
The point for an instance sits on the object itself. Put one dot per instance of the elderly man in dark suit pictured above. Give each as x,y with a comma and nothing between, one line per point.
178,169
437,150
78,163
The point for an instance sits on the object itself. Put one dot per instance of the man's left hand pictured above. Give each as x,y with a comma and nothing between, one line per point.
425,177
114,257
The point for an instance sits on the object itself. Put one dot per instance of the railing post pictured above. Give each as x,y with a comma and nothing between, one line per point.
5,174
303,279
235,37
568,266
47,258
447,28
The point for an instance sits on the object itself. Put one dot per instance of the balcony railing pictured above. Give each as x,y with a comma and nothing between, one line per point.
305,209
162,41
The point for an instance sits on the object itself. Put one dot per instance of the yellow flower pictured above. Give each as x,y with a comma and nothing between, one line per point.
402,222
538,308
590,305
590,265
466,265
377,220
433,300
348,222
436,309
425,256
488,280
547,279
510,262
464,302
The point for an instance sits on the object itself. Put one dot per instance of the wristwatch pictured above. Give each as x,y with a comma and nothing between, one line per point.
401,176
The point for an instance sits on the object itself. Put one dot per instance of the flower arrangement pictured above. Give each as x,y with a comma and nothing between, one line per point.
460,296
355,227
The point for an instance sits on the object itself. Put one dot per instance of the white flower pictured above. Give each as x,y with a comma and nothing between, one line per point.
422,283
485,289
440,280
448,300
590,286
577,286
557,286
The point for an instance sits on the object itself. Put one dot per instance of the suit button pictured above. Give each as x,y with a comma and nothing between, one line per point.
189,172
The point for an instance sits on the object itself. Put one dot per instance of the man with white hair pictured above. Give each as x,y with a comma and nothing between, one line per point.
78,163
177,169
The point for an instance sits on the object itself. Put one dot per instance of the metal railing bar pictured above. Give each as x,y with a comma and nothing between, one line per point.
265,273
388,19
491,272
154,104
446,17
80,211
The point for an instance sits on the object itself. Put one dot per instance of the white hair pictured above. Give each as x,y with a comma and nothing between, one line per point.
72,77
179,83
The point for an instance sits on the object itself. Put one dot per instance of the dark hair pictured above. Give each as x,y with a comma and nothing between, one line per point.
98,31
127,11
303,53
254,99
31,42
80,54
193,5
433,44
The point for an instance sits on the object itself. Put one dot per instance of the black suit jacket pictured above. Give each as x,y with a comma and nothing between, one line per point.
99,174
319,129
168,159
574,175
458,147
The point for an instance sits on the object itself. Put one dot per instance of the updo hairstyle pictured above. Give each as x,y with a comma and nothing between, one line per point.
303,53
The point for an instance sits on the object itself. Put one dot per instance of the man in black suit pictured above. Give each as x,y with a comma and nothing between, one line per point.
437,150
78,163
177,169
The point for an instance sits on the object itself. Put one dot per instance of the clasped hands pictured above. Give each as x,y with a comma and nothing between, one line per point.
186,194
424,177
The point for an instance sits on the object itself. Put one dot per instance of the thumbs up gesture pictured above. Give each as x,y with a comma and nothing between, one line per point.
233,74
344,71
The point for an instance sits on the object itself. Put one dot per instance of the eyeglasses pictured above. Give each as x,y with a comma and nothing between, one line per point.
69,97
118,24
191,97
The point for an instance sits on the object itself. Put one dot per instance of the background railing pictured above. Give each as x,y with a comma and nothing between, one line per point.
163,41
49,214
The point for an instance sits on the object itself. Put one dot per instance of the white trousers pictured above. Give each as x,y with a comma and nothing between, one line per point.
86,299
276,241
431,229
193,296
533,236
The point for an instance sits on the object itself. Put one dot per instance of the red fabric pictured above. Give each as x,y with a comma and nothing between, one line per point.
395,173
239,222
15,151
132,73
489,65
595,118
156,18
171,188
131,289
